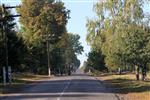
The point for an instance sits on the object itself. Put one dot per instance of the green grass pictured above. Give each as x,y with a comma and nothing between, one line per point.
128,86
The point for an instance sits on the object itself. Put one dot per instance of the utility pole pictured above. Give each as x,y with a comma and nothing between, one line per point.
49,38
4,33
48,58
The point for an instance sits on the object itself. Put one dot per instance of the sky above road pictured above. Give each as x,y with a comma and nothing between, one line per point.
80,11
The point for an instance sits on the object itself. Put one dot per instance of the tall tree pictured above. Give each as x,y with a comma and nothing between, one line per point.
96,61
74,43
42,17
118,32
72,49
11,45
42,21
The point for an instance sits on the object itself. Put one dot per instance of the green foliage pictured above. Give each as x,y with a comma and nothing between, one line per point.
73,47
64,55
41,21
96,61
15,45
121,32
73,42
40,18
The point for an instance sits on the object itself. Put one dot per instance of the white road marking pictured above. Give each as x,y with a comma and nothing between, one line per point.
66,87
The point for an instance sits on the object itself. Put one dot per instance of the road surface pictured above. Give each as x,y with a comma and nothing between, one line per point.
75,87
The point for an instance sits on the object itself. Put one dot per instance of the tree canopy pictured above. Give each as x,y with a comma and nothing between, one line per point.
121,31
45,21
40,18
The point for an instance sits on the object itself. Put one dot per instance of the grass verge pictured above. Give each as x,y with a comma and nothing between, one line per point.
127,87
20,81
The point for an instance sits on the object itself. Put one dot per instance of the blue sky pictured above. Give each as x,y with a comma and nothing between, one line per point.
80,11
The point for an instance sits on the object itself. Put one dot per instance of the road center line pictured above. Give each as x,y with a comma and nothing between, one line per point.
66,87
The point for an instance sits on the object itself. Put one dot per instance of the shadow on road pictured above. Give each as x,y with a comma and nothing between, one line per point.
57,86
53,88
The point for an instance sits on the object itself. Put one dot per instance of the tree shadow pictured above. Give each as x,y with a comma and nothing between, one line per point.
54,88
87,87
125,86
57,86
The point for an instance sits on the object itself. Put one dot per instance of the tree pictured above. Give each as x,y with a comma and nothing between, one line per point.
118,32
41,21
73,42
11,45
40,18
73,48
69,47
96,61
134,47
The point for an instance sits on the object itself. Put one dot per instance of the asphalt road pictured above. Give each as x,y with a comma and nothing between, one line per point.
75,87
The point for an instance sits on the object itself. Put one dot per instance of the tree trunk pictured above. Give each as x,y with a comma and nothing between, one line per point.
137,69
143,72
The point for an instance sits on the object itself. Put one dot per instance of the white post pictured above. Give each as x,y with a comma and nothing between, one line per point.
49,71
4,75
90,71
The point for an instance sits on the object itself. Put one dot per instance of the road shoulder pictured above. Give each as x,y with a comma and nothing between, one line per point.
109,88
126,87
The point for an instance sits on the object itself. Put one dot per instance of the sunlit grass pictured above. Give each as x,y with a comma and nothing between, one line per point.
127,85
29,77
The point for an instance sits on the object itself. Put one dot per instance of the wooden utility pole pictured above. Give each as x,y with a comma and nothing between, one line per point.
48,58
4,34
48,38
